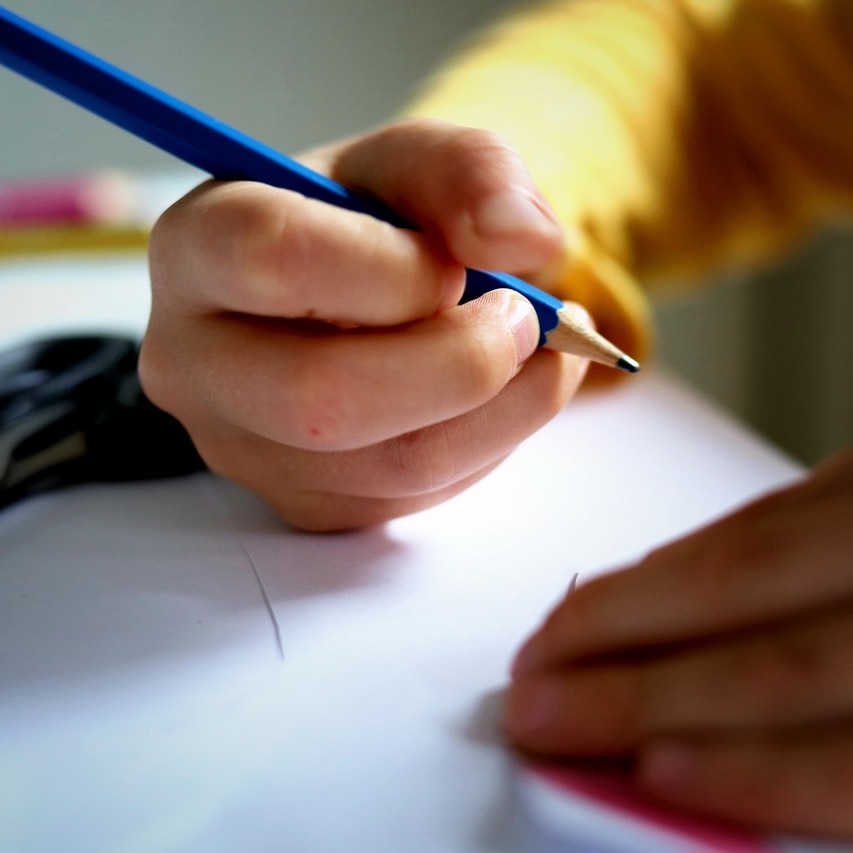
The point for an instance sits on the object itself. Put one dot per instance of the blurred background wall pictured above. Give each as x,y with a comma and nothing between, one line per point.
776,348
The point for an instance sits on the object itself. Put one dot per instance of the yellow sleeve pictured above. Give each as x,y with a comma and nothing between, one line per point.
673,135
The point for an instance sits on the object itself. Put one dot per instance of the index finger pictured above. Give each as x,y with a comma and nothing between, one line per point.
779,557
254,249
467,186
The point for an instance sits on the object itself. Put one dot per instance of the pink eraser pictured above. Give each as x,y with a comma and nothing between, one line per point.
103,198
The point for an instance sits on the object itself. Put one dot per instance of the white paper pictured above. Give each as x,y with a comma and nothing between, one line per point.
180,672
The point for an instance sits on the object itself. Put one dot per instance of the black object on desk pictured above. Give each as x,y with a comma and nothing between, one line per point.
72,410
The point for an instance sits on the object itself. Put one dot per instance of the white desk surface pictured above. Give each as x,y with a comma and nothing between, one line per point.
144,702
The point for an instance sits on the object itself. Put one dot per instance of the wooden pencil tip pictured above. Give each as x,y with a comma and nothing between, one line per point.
628,364
576,338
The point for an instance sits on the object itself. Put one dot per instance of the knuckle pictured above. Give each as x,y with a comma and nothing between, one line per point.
480,157
165,245
261,255
246,240
158,239
481,145
169,220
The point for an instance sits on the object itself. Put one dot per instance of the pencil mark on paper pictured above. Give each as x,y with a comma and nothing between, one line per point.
266,599
222,507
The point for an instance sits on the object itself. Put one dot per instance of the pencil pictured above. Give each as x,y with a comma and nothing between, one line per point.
228,154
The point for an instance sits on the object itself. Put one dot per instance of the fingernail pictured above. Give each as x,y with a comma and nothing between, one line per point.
524,325
668,767
512,212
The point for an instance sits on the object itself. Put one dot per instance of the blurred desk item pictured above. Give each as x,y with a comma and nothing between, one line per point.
182,673
109,211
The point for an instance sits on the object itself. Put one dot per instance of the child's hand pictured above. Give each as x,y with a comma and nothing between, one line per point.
319,356
723,663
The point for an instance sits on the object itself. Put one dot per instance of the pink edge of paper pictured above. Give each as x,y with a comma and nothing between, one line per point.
617,792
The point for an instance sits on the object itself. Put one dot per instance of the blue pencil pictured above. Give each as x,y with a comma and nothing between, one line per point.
228,154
